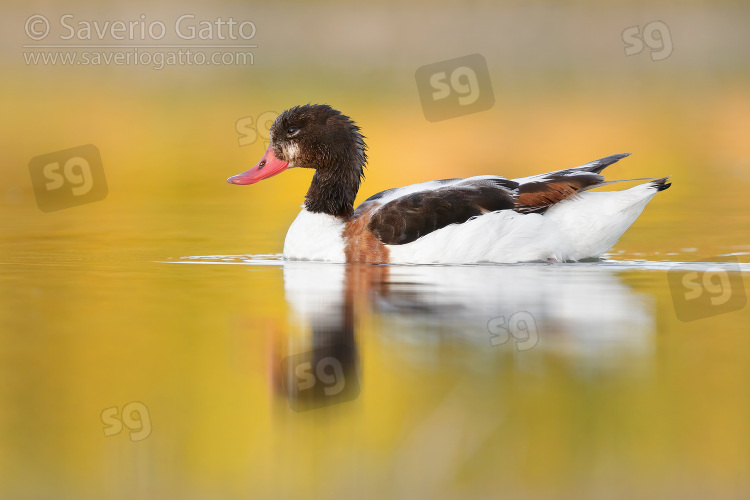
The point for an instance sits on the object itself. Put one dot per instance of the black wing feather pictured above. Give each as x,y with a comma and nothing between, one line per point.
410,217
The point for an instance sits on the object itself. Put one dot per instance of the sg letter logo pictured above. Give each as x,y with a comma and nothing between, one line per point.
655,35
455,87
250,129
134,415
711,291
520,325
68,178
315,379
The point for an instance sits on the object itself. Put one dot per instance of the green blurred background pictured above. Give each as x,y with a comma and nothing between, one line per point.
91,320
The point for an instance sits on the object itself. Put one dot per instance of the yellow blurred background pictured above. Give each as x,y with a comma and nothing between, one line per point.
92,318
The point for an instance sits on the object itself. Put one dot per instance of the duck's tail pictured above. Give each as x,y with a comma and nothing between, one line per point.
595,221
661,184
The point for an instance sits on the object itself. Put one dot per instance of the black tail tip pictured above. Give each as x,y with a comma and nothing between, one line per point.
661,184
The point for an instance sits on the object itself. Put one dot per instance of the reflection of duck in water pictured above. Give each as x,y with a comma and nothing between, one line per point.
581,312
326,300
478,219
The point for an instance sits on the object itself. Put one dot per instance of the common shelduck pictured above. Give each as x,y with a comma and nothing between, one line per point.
486,218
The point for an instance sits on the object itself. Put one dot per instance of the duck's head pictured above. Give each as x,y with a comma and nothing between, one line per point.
311,136
319,137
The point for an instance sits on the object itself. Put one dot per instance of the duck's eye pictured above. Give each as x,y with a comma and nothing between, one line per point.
292,131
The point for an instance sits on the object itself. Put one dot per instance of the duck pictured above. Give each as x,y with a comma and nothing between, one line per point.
550,217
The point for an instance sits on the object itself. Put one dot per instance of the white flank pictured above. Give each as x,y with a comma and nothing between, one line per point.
503,236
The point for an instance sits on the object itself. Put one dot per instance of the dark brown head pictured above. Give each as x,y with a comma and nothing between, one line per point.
319,137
